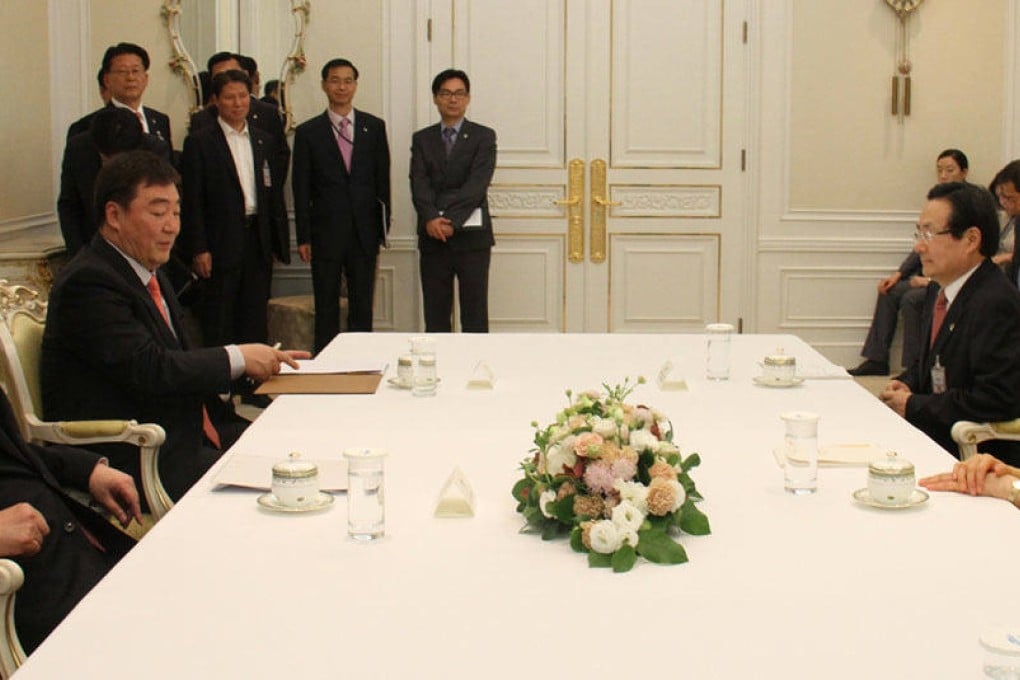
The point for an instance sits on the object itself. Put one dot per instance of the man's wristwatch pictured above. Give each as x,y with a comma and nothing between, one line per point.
1014,493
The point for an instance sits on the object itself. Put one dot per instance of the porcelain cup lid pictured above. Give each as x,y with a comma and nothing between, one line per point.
891,466
295,468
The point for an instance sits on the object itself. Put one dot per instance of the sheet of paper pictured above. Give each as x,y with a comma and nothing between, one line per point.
320,367
256,472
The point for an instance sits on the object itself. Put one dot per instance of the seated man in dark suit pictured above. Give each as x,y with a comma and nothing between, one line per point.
114,347
113,131
125,75
969,365
63,547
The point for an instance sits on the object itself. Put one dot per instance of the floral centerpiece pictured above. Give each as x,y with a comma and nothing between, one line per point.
608,473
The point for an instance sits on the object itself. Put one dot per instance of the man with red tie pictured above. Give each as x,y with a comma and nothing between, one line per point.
113,346
969,367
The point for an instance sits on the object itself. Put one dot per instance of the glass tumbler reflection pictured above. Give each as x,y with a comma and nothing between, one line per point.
366,507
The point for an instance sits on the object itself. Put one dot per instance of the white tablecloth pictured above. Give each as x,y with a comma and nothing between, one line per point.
791,587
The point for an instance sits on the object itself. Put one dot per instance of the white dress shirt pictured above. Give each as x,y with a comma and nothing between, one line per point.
244,161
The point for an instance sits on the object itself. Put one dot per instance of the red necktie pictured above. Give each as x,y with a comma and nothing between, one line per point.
939,315
344,140
157,297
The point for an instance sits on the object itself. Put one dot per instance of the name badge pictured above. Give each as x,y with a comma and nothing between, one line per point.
938,378
267,178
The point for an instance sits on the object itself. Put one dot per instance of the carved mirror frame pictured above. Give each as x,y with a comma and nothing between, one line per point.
293,64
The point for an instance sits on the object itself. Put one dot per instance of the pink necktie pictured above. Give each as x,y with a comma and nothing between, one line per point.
939,315
157,297
344,140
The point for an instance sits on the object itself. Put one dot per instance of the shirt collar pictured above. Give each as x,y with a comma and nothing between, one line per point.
228,130
122,105
953,288
335,118
143,274
455,127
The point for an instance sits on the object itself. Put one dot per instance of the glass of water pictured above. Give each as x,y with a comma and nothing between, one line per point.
366,507
800,447
717,351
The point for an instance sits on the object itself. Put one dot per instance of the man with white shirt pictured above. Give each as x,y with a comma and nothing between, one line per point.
969,365
341,186
233,219
125,74
113,346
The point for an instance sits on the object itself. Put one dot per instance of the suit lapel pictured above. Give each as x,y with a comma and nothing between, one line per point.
222,148
329,143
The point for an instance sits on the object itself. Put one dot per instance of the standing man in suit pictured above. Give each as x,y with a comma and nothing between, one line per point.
969,365
261,115
125,75
451,167
113,131
234,220
341,201
114,347
63,547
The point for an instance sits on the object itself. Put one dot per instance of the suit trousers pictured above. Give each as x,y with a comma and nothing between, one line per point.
883,325
237,299
359,270
439,264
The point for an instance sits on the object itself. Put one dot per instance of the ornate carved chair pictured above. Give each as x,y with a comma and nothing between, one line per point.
11,653
22,321
968,434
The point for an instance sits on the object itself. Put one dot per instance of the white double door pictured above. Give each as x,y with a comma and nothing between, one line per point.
619,198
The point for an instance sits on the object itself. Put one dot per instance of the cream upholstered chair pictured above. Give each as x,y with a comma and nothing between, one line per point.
22,321
11,653
968,435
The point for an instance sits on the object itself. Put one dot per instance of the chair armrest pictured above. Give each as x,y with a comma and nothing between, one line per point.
11,653
968,434
147,436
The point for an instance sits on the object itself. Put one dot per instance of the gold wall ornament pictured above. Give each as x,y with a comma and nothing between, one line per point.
901,74
181,62
295,61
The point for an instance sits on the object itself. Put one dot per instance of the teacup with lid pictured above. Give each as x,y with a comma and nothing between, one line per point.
891,480
296,482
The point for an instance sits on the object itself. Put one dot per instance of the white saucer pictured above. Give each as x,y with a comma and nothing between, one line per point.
777,382
270,502
401,385
917,498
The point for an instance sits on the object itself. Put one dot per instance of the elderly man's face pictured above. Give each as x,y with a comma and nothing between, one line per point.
147,229
944,257
126,79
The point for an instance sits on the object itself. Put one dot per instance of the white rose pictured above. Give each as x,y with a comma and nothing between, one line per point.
681,495
605,538
546,497
627,517
642,440
629,537
558,458
634,493
604,427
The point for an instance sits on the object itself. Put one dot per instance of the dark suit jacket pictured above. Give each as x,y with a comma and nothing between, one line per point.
67,566
453,186
107,353
329,202
159,124
76,205
979,346
263,116
212,210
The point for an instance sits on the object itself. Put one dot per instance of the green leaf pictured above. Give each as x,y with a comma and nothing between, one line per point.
624,559
599,560
693,521
655,546
522,489
576,541
532,515
551,530
563,509
692,461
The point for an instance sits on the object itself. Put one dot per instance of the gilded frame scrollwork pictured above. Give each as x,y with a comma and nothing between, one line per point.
181,62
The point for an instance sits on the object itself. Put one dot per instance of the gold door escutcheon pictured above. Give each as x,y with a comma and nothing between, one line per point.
575,212
599,204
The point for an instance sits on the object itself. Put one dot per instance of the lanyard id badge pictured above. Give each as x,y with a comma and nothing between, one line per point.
938,377
267,178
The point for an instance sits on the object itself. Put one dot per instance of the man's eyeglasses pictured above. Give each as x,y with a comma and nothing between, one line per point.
125,72
927,235
447,94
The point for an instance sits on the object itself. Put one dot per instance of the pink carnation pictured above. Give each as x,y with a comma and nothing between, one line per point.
624,468
599,477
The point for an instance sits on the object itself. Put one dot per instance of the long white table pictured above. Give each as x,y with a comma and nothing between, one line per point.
785,587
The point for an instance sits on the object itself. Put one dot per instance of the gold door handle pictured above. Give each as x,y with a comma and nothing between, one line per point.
575,212
599,204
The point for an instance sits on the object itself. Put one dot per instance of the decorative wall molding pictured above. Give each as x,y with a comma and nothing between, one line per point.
833,245
530,200
666,201
799,215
